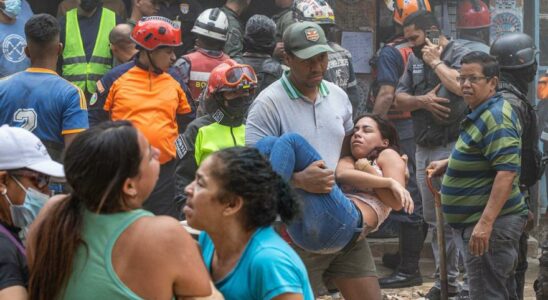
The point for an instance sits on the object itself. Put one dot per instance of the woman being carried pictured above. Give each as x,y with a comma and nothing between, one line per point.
373,181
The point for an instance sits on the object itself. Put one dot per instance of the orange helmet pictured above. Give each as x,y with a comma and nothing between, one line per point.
153,32
473,14
231,76
403,8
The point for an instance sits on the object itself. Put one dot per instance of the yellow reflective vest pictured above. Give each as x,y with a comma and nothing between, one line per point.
76,69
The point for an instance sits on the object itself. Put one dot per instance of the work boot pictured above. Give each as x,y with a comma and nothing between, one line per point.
391,260
407,274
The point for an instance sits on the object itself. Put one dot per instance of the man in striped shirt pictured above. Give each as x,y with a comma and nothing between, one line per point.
480,190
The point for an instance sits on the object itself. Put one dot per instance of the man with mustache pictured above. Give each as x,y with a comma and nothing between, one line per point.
302,102
430,90
86,55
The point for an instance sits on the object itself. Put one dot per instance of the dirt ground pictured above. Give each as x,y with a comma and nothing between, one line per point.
427,270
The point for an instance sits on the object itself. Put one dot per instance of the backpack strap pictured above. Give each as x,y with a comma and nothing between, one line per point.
10,236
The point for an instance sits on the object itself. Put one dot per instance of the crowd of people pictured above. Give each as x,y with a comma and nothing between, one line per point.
123,124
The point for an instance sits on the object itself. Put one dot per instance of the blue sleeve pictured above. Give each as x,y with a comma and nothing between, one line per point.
389,66
75,114
96,111
274,274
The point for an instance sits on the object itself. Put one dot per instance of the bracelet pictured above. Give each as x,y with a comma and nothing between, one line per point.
436,65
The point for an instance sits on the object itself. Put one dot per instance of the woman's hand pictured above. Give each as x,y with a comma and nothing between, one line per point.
402,195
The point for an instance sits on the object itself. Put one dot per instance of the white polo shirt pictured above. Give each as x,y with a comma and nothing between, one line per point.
281,108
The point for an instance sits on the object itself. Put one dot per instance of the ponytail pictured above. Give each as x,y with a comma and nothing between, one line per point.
56,240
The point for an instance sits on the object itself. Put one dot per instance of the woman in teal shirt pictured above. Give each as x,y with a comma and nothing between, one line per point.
97,242
234,199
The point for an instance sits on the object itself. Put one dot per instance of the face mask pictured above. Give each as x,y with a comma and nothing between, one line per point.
12,8
232,114
89,5
417,50
23,215
237,108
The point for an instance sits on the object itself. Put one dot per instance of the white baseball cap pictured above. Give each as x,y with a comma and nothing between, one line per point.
20,148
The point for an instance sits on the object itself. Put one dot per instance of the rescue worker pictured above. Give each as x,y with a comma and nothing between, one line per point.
86,55
516,54
211,27
339,67
388,66
122,47
228,95
474,25
259,42
235,41
145,93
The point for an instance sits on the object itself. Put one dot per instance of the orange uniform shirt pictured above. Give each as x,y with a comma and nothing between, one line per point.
151,102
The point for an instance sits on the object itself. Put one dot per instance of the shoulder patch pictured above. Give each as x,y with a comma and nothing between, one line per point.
93,99
100,88
181,146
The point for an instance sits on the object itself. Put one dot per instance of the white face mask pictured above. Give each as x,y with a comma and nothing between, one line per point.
24,214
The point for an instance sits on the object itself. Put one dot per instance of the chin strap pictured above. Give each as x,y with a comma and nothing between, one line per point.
155,69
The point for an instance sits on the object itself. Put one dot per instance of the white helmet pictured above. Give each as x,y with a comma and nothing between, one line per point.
317,11
212,23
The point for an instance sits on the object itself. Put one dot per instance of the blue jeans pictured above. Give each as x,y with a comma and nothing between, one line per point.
491,276
329,221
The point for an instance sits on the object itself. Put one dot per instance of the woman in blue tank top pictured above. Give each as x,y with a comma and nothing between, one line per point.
234,199
97,242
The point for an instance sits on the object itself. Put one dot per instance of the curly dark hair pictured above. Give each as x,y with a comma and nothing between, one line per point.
387,130
245,172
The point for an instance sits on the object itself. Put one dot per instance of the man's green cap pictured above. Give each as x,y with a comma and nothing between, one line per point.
305,39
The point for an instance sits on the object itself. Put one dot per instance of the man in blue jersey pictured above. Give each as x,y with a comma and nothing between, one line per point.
38,99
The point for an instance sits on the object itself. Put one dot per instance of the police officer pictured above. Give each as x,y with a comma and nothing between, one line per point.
429,89
516,53
388,66
339,67
211,28
473,25
259,42
234,10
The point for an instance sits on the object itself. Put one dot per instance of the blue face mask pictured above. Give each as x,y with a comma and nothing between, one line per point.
12,8
24,214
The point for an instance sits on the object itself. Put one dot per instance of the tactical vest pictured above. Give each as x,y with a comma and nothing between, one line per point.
76,69
338,66
429,131
401,45
531,157
201,65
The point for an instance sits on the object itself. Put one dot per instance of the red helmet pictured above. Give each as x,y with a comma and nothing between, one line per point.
403,8
473,14
153,32
231,76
